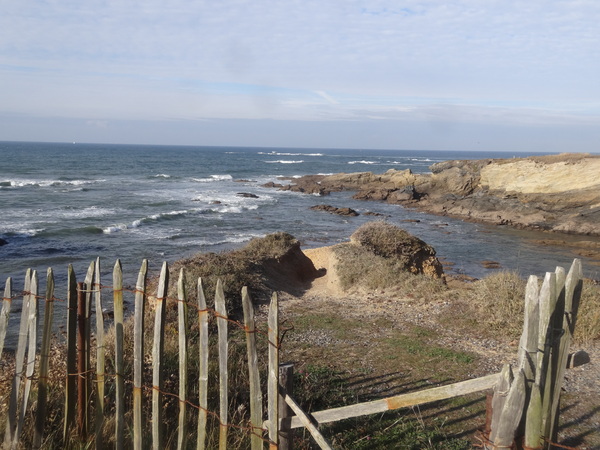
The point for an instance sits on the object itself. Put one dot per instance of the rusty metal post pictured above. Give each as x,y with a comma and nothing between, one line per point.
81,358
286,387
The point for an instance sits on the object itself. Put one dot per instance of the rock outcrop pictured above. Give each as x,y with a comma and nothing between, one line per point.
554,193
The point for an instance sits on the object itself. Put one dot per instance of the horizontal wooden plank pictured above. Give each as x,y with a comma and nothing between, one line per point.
402,401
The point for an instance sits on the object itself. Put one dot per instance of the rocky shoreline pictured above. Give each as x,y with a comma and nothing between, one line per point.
558,193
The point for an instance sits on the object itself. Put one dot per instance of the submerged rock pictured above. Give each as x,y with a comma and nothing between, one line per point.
334,210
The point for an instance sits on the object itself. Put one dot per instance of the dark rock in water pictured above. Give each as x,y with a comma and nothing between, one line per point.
270,184
334,210
411,221
246,195
371,213
3,242
491,264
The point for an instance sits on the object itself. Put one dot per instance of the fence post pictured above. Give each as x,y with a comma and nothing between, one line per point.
81,375
157,357
183,361
273,375
286,387
223,374
138,354
71,381
44,361
202,366
119,366
100,357
256,410
6,304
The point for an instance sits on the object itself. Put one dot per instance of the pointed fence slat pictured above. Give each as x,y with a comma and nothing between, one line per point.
81,359
119,366
511,412
138,354
273,375
223,372
11,422
572,294
256,411
100,356
89,291
6,304
31,353
71,378
44,361
157,358
183,361
202,366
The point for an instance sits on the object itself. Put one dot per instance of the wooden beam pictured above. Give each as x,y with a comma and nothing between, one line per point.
402,401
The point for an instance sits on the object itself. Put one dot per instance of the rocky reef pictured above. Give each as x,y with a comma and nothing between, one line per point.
553,193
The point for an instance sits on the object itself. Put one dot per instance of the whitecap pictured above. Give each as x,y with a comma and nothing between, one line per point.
361,162
283,161
162,175
213,178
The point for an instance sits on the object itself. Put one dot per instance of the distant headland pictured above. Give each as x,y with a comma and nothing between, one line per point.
559,193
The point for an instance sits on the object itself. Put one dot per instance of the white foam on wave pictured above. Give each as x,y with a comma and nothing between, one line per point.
213,178
19,183
235,239
283,161
362,162
162,175
289,154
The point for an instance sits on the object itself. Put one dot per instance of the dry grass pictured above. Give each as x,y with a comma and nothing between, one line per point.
360,269
587,328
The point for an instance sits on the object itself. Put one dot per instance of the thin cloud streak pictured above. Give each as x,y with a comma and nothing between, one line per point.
497,62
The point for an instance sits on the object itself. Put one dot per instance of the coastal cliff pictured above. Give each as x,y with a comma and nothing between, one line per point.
552,193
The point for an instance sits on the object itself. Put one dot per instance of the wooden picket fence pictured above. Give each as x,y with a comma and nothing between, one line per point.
525,403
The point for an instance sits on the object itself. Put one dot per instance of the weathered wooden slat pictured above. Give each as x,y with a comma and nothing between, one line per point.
157,358
256,410
71,379
402,401
81,359
100,356
307,423
119,363
572,294
31,354
138,354
183,360
547,302
44,361
202,366
511,413
11,417
4,314
89,291
221,311
500,393
286,388
533,422
273,374
528,346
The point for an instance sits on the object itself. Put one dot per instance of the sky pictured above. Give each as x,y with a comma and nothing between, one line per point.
446,75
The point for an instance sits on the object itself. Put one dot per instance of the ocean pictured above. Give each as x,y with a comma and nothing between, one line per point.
68,203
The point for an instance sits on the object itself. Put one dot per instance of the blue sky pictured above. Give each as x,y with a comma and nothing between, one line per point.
455,74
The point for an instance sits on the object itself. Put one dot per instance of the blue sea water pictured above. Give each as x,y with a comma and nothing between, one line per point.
64,203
